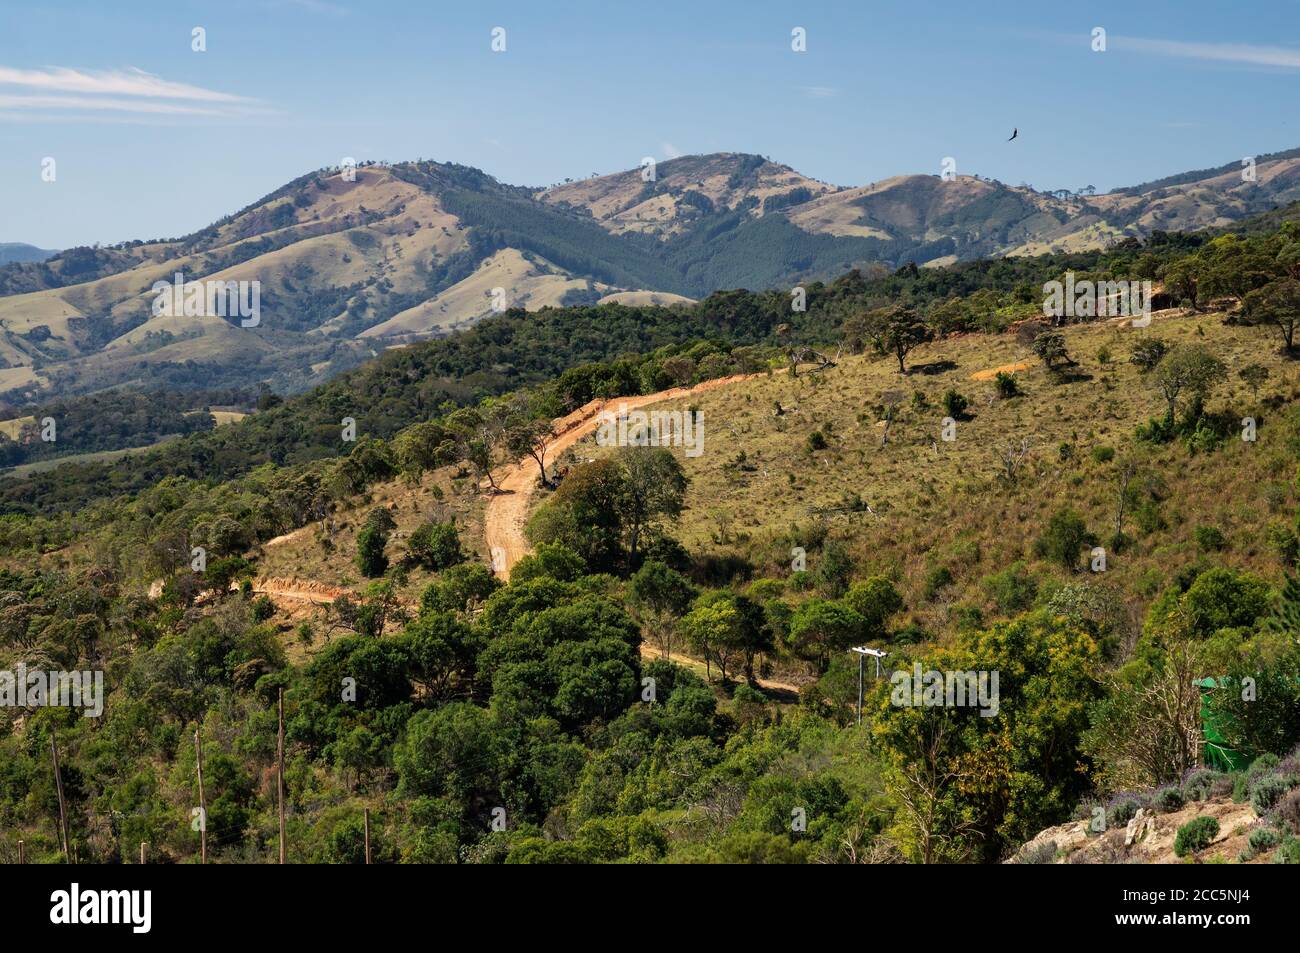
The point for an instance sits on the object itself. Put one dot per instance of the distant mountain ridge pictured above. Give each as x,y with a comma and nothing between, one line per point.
20,251
352,261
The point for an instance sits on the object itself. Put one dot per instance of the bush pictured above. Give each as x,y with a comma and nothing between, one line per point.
370,552
1168,800
435,546
1288,852
1043,853
1006,386
1198,784
1103,454
263,609
1122,811
1065,535
936,580
1012,589
1196,834
1209,539
816,441
1264,838
954,404
549,559
1267,791
1287,812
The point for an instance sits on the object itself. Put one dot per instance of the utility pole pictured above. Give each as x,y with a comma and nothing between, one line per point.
203,804
862,653
279,781
367,835
861,659
58,784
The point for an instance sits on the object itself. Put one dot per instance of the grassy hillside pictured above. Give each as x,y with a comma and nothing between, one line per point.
350,263
920,509
541,720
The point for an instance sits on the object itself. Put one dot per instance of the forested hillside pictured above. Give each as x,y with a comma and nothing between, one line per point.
668,676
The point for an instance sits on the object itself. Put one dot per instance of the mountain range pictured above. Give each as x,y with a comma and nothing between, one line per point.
350,262
21,251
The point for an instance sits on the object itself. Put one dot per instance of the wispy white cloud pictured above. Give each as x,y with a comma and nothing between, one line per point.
75,94
94,103
1244,53
129,82
671,151
820,92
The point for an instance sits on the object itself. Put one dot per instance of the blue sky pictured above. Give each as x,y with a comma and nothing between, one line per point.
152,139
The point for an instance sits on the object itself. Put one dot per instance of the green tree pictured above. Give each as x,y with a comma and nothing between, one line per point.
371,559
821,627
724,626
1190,369
897,330
1050,348
1278,304
1148,353
661,596
435,546
654,490
876,600
1065,535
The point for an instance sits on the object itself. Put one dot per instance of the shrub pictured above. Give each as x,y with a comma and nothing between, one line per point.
1012,589
1264,838
1196,834
1148,517
554,560
1262,765
370,552
816,441
1122,811
1288,852
954,404
1005,385
1065,535
1197,785
1287,812
1103,454
1209,539
1043,853
435,546
936,579
1170,799
1267,791
1148,352
263,609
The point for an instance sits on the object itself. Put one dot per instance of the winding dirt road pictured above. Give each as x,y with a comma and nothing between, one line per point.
507,511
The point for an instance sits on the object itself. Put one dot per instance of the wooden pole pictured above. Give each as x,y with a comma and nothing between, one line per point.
20,852
279,757
142,853
203,804
63,810
367,835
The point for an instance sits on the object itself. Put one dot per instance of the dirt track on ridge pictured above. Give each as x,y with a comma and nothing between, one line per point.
507,511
